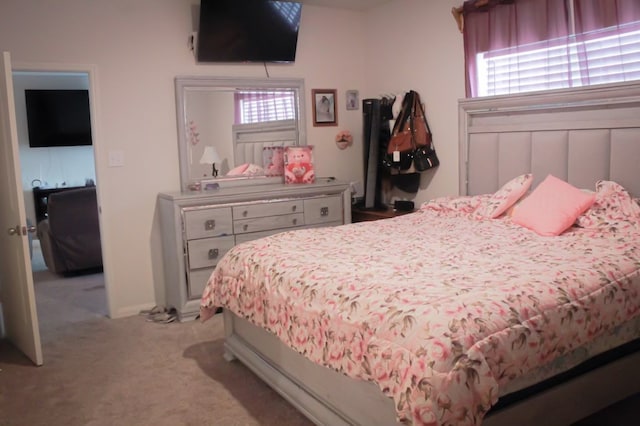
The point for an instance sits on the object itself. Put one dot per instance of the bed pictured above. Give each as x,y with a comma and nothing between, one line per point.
439,316
250,141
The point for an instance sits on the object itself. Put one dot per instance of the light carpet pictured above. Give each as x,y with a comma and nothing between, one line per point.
134,372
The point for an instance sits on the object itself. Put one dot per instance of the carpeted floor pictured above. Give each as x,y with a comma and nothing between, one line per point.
130,371
134,372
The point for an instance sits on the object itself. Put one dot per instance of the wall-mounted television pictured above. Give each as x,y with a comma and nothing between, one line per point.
248,31
58,117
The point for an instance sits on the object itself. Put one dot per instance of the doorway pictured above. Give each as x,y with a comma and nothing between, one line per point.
62,299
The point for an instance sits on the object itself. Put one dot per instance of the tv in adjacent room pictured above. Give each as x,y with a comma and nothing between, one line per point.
248,31
58,117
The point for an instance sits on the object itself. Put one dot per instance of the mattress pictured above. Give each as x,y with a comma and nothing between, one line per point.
443,310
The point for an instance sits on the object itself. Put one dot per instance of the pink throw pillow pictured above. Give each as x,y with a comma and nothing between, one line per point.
506,196
238,171
552,207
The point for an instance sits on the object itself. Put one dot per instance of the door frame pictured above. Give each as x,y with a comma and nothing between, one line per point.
92,73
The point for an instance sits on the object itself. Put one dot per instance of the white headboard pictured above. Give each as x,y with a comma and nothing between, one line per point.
249,139
579,135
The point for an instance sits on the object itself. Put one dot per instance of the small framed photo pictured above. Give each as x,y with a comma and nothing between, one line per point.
325,112
352,99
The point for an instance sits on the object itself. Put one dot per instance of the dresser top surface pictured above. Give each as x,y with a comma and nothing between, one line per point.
321,186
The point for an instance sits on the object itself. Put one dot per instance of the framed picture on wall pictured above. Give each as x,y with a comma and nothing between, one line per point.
324,107
352,99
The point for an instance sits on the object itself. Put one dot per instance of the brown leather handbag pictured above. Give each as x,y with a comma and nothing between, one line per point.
411,129
411,137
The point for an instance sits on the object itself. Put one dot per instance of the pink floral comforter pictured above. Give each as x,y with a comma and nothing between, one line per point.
440,308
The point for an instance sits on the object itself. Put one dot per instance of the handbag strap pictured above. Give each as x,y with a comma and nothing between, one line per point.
424,117
404,113
412,113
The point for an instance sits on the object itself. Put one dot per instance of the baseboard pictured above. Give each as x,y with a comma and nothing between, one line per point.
129,311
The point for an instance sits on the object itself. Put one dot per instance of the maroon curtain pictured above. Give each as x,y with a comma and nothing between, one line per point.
499,24
596,14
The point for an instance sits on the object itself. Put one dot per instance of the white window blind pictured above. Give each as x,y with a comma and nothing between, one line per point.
257,107
608,55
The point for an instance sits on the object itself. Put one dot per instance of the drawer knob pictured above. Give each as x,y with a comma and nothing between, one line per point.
213,253
245,227
324,211
245,213
293,208
209,224
295,221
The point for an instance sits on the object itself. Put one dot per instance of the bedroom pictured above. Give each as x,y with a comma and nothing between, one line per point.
139,49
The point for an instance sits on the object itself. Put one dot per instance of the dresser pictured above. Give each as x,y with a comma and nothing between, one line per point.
198,228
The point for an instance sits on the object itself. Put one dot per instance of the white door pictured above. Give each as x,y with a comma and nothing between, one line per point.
16,281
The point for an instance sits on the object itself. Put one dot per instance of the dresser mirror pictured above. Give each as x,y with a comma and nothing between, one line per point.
228,126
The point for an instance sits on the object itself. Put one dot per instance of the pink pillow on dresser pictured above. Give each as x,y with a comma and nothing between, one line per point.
506,196
238,171
552,207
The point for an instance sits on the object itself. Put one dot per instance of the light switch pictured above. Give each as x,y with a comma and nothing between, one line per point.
116,158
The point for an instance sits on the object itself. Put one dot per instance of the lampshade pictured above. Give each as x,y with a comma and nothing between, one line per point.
209,156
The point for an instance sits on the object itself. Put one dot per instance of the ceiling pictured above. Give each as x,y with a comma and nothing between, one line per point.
346,4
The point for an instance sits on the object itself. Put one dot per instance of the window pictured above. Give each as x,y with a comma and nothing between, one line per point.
518,46
610,55
257,107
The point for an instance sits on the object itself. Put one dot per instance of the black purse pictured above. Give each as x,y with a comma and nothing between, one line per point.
404,162
425,157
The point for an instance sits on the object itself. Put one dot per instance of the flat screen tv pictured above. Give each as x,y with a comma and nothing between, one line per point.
58,117
248,31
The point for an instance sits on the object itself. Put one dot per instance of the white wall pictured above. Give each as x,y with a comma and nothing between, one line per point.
137,48
49,167
415,44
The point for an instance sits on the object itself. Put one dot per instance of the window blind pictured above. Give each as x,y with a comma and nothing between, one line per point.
607,55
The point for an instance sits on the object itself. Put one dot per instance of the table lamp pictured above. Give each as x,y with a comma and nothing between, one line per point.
210,156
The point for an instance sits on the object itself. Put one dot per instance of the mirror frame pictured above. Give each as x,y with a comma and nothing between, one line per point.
185,83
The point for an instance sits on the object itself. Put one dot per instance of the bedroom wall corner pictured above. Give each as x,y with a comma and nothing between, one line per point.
419,47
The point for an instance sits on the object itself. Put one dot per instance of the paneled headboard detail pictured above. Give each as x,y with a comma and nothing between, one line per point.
579,135
249,139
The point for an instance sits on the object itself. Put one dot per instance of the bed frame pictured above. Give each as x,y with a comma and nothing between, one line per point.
250,139
581,136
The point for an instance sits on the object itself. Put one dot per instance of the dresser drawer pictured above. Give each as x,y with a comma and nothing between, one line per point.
206,252
242,238
267,209
322,210
197,282
204,223
266,223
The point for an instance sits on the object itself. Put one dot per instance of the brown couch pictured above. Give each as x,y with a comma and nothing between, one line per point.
70,236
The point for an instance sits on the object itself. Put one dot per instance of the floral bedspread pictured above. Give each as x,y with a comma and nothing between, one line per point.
440,308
